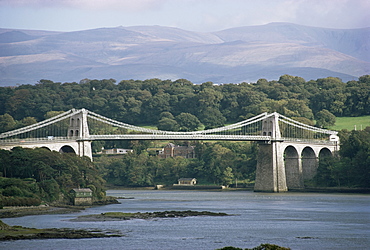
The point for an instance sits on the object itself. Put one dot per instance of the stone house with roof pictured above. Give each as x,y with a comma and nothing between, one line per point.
82,196
172,150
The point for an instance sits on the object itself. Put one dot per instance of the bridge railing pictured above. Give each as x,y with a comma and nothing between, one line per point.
178,137
35,140
314,141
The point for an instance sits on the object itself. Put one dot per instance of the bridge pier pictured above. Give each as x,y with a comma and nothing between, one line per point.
84,149
293,168
270,172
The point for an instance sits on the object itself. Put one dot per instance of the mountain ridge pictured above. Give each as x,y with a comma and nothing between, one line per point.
141,52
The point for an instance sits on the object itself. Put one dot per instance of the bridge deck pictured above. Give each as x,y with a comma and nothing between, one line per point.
189,137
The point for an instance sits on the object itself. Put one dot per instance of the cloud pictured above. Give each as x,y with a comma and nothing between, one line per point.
130,5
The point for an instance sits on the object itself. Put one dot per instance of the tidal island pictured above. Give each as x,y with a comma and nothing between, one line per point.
115,216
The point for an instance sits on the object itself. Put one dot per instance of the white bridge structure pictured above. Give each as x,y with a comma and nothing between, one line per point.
289,151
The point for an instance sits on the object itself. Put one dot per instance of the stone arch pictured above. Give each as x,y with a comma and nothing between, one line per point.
293,170
67,149
325,153
44,147
309,163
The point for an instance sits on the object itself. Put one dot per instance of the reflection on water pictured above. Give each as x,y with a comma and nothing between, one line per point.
298,221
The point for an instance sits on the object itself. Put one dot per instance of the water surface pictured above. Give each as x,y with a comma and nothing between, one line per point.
295,220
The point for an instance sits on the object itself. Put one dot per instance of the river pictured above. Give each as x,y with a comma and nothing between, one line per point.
295,220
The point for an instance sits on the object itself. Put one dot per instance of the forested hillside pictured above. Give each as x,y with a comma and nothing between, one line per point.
163,103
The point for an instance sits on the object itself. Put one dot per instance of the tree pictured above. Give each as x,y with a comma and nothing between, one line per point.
153,107
133,110
140,146
212,118
217,158
300,108
325,119
288,80
228,176
50,114
331,96
329,172
209,97
355,152
187,122
27,121
167,115
6,123
358,100
168,124
5,162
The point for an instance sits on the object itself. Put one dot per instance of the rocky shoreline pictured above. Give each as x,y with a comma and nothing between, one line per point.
25,233
11,212
116,216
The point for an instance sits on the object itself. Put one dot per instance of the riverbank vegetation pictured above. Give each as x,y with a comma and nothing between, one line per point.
217,163
351,168
32,176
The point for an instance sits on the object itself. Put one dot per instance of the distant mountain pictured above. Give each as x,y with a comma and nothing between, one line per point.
143,52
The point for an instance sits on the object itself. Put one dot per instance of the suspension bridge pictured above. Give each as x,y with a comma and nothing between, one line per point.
288,153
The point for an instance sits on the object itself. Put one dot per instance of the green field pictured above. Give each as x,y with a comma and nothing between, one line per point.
350,123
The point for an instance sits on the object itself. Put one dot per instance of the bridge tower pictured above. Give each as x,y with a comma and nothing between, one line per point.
79,130
270,172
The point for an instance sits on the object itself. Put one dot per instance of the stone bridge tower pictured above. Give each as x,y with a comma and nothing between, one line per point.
79,130
78,127
270,172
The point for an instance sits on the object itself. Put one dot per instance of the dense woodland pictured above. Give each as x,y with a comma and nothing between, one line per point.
166,103
179,106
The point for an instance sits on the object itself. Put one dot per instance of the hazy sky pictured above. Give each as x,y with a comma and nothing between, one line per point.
195,15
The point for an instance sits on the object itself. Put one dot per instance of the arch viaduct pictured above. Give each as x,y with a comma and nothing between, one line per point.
283,163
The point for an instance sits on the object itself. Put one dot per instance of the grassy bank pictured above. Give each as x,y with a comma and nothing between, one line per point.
350,123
